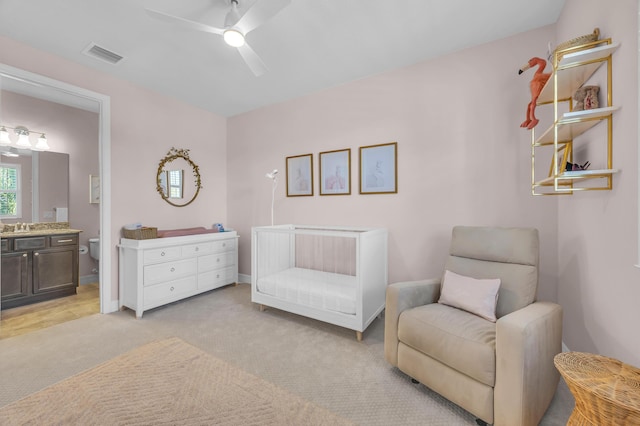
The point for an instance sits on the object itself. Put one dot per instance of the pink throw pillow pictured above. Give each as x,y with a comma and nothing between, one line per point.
477,296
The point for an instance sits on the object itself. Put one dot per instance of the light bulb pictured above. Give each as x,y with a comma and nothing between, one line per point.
233,37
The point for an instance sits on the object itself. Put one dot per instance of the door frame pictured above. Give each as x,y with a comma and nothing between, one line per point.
104,159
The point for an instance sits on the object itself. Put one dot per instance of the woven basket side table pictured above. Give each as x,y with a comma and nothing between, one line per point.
607,391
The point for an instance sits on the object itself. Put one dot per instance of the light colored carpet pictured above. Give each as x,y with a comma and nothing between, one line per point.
164,383
319,362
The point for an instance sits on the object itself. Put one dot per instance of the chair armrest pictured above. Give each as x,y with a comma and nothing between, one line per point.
400,297
526,378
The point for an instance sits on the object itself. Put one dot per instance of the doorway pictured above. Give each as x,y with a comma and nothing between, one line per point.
60,92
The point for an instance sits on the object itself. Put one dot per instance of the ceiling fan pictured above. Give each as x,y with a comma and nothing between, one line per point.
236,27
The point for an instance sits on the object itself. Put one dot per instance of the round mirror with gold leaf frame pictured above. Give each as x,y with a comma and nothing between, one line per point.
172,181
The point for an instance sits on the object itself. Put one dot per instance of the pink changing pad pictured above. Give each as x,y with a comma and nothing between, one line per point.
185,231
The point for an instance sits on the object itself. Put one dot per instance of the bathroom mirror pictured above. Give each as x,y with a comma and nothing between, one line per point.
44,185
172,180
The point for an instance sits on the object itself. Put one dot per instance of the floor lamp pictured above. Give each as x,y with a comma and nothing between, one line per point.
274,183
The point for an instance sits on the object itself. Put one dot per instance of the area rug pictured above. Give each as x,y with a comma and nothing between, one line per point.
165,382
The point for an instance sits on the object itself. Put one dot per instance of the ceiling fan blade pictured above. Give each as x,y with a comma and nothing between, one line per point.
252,59
259,13
184,22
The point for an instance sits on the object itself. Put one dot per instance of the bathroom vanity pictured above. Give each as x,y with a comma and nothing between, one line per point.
38,265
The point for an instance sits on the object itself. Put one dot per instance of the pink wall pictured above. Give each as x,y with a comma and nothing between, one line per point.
462,157
599,287
144,126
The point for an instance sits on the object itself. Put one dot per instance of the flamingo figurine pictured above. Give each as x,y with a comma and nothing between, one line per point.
537,83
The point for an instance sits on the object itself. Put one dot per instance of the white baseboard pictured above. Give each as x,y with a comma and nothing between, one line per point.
113,307
244,279
88,279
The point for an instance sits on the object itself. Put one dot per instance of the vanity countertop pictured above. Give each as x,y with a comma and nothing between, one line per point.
39,232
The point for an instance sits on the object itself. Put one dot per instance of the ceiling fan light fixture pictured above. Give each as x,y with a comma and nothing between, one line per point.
233,37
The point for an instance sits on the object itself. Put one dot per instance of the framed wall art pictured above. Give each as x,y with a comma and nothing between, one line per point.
94,189
300,175
335,172
379,169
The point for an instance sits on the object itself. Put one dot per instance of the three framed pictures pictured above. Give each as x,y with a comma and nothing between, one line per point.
378,172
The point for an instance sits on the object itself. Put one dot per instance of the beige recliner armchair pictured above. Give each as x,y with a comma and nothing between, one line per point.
502,372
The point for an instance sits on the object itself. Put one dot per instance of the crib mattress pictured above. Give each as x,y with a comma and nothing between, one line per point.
322,290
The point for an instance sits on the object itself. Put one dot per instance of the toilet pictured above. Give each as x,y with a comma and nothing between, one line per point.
94,248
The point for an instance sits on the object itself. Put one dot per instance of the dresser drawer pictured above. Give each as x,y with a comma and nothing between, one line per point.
162,254
169,271
218,278
216,261
224,245
197,249
169,291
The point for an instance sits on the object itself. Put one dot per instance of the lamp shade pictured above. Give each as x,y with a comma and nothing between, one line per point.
42,144
4,136
23,140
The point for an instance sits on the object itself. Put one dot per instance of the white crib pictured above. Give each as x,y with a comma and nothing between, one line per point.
332,274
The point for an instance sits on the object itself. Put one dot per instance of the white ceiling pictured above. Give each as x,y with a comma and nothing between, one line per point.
309,46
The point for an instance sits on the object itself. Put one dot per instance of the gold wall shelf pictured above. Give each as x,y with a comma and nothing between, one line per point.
572,67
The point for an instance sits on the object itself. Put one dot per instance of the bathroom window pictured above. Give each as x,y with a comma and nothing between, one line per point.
10,200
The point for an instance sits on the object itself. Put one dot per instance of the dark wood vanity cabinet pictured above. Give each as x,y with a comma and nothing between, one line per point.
38,268
16,276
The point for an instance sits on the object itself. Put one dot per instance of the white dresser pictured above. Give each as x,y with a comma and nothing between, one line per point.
158,271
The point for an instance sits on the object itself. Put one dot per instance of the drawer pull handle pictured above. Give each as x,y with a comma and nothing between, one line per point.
36,254
217,275
218,260
197,248
224,244
173,269
65,241
171,288
162,254
24,255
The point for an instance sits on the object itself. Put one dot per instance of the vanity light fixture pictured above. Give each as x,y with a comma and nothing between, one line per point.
23,141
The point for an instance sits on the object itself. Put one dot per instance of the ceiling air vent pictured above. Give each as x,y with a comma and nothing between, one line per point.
103,54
